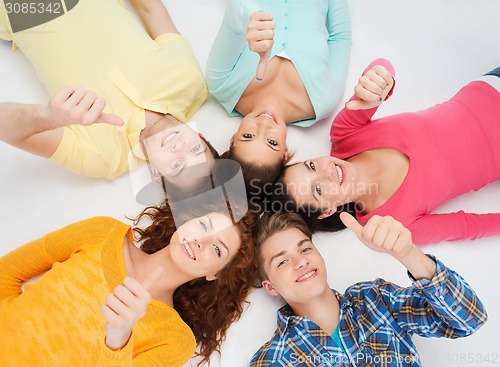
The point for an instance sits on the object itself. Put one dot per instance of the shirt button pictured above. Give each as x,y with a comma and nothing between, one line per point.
454,307
286,14
286,28
283,44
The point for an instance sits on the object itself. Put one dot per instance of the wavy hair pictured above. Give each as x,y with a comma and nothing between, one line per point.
207,307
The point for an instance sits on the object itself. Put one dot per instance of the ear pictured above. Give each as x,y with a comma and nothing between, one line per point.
211,278
201,136
156,175
231,142
285,156
268,286
327,213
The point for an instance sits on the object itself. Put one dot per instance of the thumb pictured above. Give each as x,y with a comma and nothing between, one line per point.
152,277
261,67
351,223
111,119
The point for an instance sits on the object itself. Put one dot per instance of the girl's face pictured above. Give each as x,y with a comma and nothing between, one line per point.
205,245
261,138
321,183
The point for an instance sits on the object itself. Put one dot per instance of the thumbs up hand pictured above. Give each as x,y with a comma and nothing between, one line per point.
260,38
125,306
381,234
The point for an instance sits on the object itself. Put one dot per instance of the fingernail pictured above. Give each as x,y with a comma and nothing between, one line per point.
258,79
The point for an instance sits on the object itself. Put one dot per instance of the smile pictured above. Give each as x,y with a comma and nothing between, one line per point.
168,137
188,249
340,174
307,276
267,115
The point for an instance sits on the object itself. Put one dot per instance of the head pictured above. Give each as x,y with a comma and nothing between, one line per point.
319,190
289,263
259,145
172,147
215,298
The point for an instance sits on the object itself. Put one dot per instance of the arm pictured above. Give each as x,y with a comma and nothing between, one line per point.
38,128
229,42
339,44
374,86
155,17
444,304
39,255
434,228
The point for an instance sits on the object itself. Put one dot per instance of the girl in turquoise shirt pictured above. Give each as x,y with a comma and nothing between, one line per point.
277,62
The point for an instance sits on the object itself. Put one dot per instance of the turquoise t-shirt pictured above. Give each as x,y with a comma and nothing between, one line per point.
336,338
315,34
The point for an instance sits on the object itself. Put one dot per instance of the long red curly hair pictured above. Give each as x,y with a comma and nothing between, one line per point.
207,307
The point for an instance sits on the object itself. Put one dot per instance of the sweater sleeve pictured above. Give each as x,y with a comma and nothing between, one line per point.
174,353
434,228
339,45
348,121
444,306
229,42
39,255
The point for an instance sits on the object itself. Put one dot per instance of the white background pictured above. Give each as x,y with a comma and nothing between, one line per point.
436,47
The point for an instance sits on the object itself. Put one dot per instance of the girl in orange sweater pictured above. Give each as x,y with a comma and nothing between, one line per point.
104,302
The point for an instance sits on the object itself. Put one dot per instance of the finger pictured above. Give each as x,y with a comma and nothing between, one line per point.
365,94
75,97
110,316
351,223
375,79
118,307
380,232
384,73
262,16
262,66
135,302
101,117
376,85
136,288
152,277
109,118
61,97
84,110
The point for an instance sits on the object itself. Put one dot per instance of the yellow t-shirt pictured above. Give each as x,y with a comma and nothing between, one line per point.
57,320
99,45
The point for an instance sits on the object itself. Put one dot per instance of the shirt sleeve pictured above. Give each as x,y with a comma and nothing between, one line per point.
348,121
339,45
39,255
444,306
434,228
229,42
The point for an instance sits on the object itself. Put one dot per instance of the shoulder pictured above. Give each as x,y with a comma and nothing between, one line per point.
268,352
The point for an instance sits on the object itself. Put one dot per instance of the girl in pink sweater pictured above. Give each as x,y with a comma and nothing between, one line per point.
404,165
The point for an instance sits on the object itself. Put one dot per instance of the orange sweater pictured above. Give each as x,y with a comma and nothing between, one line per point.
57,320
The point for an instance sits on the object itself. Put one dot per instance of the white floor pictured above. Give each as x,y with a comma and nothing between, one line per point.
436,47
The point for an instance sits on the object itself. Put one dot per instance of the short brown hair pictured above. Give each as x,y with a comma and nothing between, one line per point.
271,224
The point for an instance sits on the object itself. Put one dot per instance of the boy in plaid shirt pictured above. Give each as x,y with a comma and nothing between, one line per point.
372,323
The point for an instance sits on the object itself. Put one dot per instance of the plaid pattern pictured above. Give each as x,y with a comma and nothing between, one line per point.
377,321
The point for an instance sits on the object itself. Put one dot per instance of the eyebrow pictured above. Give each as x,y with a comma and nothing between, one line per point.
267,145
281,253
313,189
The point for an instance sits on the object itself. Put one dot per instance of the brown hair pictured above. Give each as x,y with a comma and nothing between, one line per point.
255,174
212,150
207,307
271,224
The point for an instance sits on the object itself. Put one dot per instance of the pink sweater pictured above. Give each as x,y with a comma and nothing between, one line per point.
453,148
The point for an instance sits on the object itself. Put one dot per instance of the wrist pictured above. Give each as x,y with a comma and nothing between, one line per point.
418,264
115,342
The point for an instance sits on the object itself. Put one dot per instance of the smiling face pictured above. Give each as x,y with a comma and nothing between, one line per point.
205,245
262,138
171,147
294,267
321,183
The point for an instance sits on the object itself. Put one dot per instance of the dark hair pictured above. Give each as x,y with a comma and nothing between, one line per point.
212,150
207,307
255,174
332,223
271,223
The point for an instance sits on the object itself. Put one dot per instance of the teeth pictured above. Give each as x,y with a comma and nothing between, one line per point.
168,138
188,249
340,174
267,115
306,276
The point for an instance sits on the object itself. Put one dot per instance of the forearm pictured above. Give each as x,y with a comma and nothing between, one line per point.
419,265
155,17
19,122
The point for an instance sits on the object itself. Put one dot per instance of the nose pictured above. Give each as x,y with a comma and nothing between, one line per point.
178,145
328,173
300,262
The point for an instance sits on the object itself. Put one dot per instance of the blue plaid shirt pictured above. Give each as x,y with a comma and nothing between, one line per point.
377,321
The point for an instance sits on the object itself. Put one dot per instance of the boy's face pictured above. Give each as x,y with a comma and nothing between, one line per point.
294,267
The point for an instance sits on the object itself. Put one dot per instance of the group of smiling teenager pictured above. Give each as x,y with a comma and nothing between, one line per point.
116,295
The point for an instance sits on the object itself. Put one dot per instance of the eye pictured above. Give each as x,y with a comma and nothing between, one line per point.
177,164
196,148
281,263
318,189
306,250
216,249
272,142
248,136
203,227
312,166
